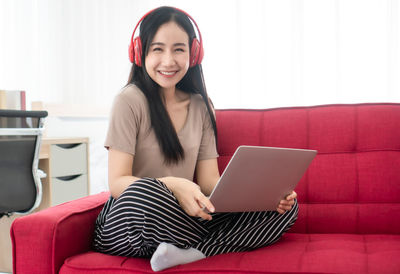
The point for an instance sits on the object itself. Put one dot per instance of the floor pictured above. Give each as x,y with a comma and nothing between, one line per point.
5,244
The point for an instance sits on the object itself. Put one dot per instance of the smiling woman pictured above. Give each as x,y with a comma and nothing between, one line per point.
168,58
161,139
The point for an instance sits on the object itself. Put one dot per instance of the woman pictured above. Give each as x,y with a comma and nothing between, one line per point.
162,136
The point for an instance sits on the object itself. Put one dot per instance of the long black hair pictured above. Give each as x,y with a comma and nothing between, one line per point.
192,82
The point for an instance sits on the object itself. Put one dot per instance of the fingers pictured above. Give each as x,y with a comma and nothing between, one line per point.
283,208
192,200
280,211
204,203
205,216
198,211
289,199
291,196
287,203
197,205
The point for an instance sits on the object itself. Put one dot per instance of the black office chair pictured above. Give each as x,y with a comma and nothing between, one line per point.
20,139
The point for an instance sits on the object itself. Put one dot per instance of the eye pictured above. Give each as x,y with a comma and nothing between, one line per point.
180,49
157,49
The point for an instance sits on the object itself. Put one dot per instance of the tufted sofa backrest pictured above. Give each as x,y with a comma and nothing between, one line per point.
353,184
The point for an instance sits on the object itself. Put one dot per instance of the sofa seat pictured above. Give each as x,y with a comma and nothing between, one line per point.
295,252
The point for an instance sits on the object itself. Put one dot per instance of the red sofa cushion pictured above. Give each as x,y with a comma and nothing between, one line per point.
353,184
294,253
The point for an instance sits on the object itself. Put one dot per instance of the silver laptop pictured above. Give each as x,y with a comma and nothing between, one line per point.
257,178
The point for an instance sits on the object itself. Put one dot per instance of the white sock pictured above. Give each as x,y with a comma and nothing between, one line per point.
168,255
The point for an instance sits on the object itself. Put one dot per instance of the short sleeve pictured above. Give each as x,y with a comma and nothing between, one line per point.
208,148
124,124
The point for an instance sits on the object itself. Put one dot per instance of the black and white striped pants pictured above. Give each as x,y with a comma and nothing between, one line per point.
147,213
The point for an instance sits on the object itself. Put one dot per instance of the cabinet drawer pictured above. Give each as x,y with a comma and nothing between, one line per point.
68,188
70,159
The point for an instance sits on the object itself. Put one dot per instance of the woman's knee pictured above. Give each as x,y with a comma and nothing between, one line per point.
149,195
146,185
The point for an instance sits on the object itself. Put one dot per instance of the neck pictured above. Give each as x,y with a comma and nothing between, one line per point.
168,95
173,96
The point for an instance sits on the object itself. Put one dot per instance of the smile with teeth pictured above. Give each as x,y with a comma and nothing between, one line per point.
167,73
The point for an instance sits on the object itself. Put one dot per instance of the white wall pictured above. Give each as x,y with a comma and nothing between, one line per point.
258,54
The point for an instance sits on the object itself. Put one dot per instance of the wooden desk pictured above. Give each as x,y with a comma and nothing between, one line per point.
66,163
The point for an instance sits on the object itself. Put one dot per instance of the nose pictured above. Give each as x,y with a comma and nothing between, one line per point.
168,58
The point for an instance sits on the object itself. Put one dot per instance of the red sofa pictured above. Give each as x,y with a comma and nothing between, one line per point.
349,219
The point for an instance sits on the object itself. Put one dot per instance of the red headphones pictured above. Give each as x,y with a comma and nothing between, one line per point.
196,49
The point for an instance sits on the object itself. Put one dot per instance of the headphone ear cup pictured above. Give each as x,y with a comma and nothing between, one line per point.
136,52
131,53
196,53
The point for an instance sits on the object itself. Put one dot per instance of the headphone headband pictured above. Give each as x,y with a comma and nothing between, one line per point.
135,48
138,23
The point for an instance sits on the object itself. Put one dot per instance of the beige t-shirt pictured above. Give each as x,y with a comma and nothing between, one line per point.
129,131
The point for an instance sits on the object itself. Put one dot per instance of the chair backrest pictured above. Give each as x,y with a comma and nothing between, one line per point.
20,139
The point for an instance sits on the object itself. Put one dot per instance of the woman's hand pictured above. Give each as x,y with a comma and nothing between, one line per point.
189,196
287,203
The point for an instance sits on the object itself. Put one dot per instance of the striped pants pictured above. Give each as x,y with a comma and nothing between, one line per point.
147,213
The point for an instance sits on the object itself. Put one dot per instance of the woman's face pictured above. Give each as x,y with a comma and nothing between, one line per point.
167,60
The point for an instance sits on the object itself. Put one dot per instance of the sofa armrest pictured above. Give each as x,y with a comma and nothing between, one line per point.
43,240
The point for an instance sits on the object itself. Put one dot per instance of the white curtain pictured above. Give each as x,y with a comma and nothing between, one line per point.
258,54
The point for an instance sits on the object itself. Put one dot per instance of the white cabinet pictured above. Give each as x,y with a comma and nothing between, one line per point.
68,159
68,167
65,162
68,188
